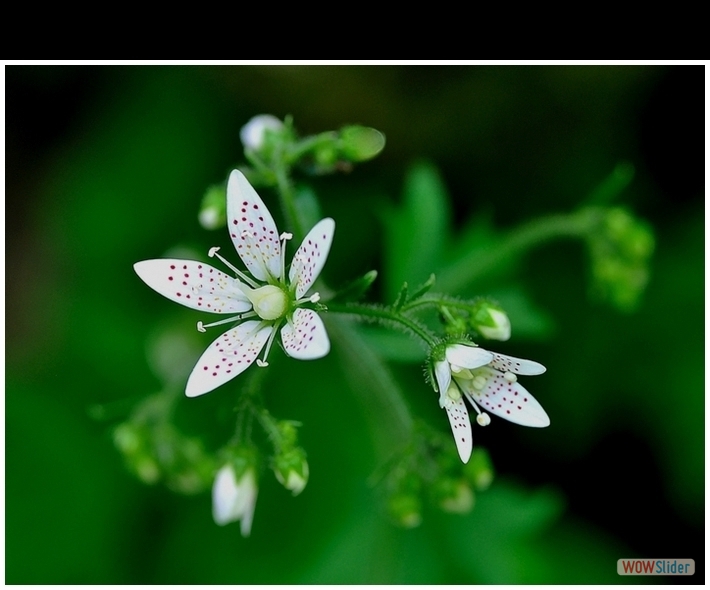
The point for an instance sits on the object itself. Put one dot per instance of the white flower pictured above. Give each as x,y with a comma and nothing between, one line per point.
489,380
268,301
253,133
234,499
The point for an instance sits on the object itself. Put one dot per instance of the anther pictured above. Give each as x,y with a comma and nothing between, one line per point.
201,327
510,377
483,419
453,393
479,382
315,298
261,363
213,251
285,236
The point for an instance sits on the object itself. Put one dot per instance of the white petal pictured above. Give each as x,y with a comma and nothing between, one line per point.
252,229
442,371
305,337
227,357
193,284
311,256
515,365
468,357
250,491
508,400
460,427
224,496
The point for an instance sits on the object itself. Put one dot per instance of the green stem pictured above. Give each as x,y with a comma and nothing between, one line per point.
372,312
378,391
288,202
477,263
437,301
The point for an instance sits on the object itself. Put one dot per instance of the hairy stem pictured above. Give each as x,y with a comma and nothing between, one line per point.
371,312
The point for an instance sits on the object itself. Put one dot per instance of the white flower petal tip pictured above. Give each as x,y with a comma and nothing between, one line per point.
311,256
228,356
252,229
504,363
492,391
305,338
193,284
460,428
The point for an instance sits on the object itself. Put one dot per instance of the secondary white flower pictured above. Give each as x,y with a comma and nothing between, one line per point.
490,380
268,301
234,498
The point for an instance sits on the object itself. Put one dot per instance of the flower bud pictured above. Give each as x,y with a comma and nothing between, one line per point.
291,469
454,496
253,134
360,143
491,321
406,509
235,490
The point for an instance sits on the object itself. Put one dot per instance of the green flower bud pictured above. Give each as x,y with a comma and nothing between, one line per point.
291,469
358,144
405,509
454,495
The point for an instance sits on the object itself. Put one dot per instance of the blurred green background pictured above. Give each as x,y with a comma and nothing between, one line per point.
106,166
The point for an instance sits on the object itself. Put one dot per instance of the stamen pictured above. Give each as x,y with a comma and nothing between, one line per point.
267,348
203,327
284,237
239,273
453,392
479,382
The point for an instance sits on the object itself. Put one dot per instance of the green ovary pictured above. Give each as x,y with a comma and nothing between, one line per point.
269,301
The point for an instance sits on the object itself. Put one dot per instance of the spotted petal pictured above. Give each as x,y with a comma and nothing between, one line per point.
311,256
193,284
515,365
507,400
460,427
252,229
232,353
305,337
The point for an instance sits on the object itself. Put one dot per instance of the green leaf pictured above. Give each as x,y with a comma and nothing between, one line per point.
416,233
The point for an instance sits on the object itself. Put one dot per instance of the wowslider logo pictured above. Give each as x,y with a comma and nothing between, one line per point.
655,567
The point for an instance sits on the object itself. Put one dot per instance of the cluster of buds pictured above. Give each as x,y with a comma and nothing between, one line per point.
620,250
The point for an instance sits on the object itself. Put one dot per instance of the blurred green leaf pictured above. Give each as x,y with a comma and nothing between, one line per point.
418,232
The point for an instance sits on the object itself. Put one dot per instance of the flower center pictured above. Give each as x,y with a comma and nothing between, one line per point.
269,301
